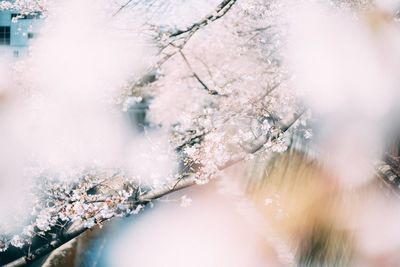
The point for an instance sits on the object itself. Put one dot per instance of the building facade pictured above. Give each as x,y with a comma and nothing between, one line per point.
16,33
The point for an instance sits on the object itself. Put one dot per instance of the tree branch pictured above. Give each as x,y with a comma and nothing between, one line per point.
76,228
210,91
188,32
219,12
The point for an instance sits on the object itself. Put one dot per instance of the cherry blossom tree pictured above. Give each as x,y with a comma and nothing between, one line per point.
215,89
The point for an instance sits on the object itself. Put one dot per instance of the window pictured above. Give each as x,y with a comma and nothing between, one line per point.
5,35
30,35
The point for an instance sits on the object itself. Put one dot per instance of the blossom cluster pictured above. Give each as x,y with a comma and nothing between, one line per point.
25,6
91,200
220,91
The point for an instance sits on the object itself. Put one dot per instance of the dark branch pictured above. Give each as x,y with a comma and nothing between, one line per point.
219,12
196,76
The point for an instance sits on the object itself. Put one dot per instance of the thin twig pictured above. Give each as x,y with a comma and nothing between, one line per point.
196,76
122,7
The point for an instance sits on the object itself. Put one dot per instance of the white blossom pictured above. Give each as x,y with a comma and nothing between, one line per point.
185,201
17,241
